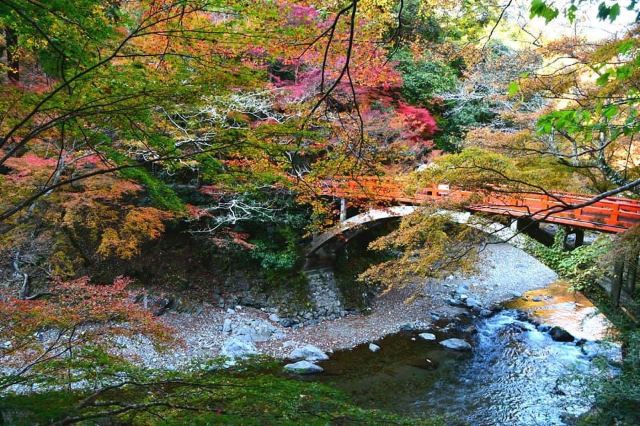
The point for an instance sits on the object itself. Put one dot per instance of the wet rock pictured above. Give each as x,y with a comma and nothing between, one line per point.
473,303
456,344
427,336
455,302
235,348
303,367
559,334
308,353
543,328
373,347
408,326
485,313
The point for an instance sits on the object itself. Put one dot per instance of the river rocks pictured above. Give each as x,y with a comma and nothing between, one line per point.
274,318
303,367
472,303
255,331
456,344
559,334
543,328
308,353
226,326
427,336
251,330
373,347
234,348
413,326
455,302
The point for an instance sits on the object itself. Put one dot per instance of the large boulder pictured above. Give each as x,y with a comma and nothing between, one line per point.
303,367
559,334
308,353
255,331
235,348
456,344
373,347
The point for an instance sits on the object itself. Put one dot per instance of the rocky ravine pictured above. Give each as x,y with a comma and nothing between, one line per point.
506,272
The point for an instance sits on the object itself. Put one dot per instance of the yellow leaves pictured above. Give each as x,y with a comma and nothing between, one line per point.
427,243
476,168
140,225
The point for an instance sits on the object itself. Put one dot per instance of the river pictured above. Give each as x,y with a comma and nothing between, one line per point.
516,373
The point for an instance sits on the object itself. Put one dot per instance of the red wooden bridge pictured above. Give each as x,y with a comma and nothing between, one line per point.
612,214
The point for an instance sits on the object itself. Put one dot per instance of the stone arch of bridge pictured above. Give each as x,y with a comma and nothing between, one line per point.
323,246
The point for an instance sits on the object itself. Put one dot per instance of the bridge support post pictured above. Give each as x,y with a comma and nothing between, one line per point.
579,233
343,209
578,238
632,274
617,281
532,228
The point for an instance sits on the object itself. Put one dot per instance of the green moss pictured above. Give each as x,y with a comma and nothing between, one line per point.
255,393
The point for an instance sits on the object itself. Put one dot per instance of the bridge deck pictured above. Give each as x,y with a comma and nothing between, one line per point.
612,214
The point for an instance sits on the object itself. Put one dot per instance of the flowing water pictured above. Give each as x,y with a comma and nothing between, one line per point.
515,375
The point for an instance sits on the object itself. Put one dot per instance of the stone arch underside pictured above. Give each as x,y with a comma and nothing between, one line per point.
340,235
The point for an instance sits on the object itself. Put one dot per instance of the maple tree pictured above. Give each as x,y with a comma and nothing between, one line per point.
45,338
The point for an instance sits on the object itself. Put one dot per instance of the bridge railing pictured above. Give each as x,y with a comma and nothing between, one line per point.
612,214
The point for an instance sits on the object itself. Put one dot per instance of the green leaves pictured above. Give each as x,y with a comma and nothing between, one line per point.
608,12
541,9
514,88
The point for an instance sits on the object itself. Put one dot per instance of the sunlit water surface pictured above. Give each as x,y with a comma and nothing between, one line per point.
516,374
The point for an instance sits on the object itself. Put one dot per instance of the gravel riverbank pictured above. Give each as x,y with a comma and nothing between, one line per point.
505,272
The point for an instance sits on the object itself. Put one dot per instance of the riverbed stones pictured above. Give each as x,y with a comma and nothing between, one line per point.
256,331
410,326
456,344
472,303
303,367
238,349
427,336
559,334
226,325
373,347
308,353
274,317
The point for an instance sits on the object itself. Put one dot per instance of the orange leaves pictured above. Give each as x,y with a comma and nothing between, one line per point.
92,312
140,225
